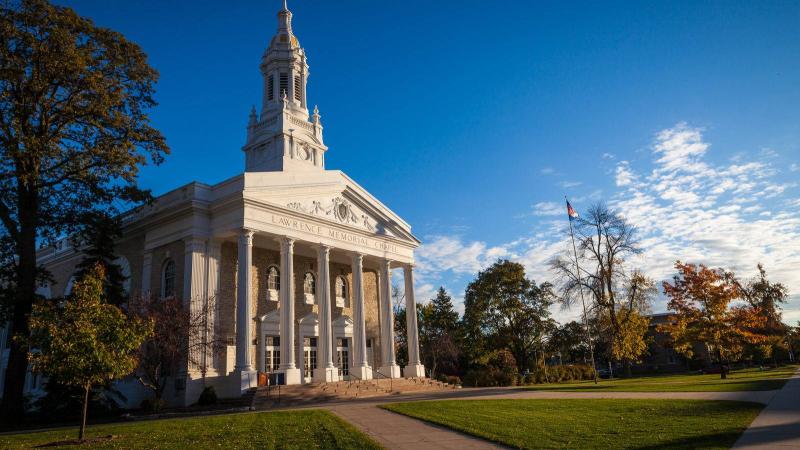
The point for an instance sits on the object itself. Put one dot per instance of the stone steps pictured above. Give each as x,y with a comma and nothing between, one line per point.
307,394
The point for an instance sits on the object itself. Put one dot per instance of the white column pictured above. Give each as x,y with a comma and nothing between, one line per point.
414,369
147,271
361,368
390,367
326,371
212,301
194,290
243,291
288,366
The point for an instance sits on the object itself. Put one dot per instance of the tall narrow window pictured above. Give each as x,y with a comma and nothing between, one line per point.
284,84
273,283
168,279
298,91
270,87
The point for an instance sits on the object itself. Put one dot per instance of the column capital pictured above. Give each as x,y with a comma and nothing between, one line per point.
194,243
358,258
323,249
386,264
246,236
285,241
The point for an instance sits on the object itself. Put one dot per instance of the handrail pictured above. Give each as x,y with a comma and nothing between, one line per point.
391,383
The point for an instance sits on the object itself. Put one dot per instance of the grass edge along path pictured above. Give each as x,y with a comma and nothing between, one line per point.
591,423
315,429
752,379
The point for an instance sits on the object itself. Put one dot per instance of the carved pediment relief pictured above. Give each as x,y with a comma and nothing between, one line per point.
337,209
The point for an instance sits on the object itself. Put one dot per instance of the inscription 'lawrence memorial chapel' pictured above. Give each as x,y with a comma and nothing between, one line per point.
296,258
320,230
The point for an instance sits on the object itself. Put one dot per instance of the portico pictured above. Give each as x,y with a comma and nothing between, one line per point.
336,308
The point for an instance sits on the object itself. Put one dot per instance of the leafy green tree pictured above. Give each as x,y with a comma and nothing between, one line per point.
84,341
767,297
505,310
74,131
569,342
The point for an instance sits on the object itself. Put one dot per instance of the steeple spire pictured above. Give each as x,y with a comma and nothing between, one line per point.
284,137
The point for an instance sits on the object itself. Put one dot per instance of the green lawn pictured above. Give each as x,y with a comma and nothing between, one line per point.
591,423
740,380
292,429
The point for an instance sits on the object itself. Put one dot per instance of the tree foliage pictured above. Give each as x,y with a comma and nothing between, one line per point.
703,302
97,237
74,131
605,240
84,341
181,338
439,334
506,310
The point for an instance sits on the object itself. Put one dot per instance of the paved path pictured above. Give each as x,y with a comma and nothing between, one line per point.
778,425
396,431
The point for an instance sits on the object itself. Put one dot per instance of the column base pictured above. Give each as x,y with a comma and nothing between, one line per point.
292,376
244,379
326,375
363,373
414,371
392,371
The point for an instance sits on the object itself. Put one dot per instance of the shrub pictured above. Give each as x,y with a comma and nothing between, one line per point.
208,396
454,380
152,405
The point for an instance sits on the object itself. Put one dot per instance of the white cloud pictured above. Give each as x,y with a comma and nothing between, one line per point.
547,171
548,209
608,155
570,184
624,175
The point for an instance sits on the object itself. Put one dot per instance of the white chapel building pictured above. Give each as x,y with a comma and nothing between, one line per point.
295,258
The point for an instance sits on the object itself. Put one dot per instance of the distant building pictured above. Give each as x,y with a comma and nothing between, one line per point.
662,357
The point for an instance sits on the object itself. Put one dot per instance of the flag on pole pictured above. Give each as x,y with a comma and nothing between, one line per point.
571,212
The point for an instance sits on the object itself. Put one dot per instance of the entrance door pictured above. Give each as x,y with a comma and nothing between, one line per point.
309,358
370,355
343,357
272,353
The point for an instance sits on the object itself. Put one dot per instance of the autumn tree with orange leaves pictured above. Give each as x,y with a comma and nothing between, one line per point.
702,300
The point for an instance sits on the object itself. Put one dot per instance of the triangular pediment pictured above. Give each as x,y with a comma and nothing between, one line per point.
330,196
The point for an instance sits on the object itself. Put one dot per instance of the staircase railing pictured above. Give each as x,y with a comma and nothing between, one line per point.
383,375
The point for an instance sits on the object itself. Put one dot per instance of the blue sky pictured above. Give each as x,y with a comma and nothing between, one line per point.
473,119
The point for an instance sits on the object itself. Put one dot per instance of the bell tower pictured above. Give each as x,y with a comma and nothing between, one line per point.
282,138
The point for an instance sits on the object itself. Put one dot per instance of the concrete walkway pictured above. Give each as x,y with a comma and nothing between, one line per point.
396,431
778,425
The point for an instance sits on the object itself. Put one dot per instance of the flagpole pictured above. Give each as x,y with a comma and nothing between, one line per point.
583,302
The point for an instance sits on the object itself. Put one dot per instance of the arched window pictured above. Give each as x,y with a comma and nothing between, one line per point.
341,291
168,279
273,283
309,287
273,278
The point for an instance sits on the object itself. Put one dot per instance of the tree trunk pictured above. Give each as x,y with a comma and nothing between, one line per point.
13,406
627,364
85,409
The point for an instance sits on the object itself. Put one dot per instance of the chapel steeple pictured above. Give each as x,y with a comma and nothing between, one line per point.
283,138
